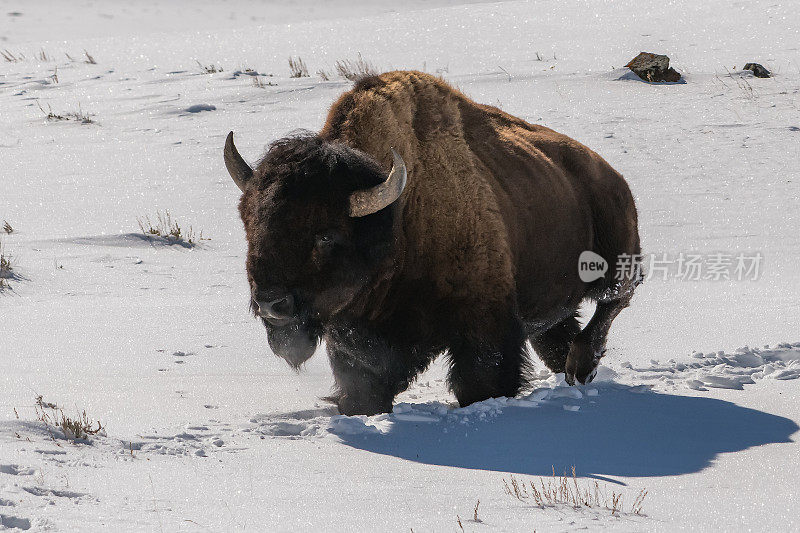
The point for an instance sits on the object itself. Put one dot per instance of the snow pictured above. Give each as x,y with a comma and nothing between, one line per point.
697,400
730,371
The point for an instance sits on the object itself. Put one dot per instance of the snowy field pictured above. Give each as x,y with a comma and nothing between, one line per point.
698,398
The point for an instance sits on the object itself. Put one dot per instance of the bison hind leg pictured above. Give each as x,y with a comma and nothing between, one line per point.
483,368
589,346
552,345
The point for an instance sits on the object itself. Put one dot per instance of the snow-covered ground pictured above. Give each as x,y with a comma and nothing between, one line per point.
205,429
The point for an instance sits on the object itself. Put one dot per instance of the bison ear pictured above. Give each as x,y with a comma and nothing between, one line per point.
372,200
237,167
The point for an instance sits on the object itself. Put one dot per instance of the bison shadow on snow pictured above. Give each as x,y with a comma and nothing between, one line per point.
622,433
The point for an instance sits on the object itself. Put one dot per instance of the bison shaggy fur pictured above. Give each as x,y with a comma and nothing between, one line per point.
477,255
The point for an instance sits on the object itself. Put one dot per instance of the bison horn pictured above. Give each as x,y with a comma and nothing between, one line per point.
237,167
374,199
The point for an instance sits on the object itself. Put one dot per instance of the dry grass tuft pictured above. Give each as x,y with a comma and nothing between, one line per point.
5,265
169,229
747,91
42,55
80,428
297,68
6,271
258,81
744,86
7,227
209,69
77,116
355,70
565,490
323,75
11,58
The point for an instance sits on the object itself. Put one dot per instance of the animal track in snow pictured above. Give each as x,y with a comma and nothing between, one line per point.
194,440
14,522
40,491
727,370
16,470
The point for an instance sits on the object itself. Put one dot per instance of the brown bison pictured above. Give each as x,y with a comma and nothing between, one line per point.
418,222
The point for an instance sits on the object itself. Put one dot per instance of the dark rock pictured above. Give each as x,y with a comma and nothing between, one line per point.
758,70
653,68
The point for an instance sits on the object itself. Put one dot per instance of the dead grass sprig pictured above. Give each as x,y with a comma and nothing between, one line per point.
10,57
168,228
355,70
79,428
78,116
297,68
6,270
564,490
258,81
209,69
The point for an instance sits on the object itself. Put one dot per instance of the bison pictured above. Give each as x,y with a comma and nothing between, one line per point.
418,222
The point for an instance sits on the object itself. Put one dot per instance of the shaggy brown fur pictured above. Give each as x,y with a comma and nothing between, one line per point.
501,208
486,239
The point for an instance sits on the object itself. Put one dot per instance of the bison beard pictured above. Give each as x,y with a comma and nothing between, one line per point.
472,255
295,343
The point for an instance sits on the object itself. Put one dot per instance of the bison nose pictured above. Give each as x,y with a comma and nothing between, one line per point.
278,310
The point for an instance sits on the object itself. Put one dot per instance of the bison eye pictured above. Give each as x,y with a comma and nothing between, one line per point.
326,241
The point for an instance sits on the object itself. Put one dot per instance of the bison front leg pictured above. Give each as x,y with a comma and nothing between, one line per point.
487,366
368,373
589,345
360,389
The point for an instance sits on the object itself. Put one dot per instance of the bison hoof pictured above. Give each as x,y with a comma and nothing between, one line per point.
581,365
353,406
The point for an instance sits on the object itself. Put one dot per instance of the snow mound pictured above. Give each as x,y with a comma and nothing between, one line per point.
727,370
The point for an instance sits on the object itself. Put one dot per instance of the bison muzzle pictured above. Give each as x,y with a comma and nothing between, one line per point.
418,222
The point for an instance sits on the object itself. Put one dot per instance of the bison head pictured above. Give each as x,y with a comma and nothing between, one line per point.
319,220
